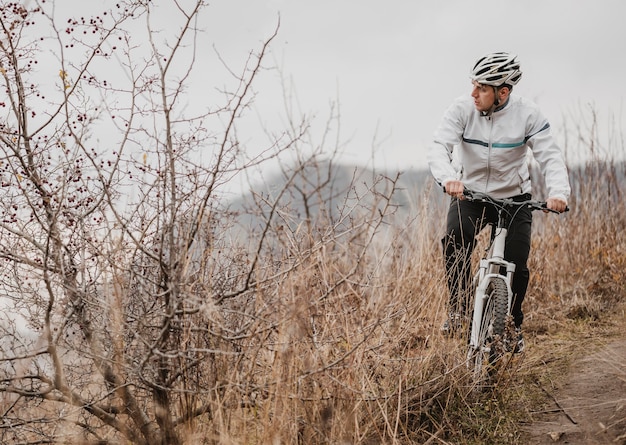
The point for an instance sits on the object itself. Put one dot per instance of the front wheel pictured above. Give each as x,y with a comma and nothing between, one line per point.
491,331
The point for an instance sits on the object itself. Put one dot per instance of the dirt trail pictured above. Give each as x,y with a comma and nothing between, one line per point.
590,407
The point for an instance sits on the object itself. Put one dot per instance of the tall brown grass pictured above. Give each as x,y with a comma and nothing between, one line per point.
340,342
353,355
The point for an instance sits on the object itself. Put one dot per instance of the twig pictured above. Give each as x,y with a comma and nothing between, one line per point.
557,403
434,437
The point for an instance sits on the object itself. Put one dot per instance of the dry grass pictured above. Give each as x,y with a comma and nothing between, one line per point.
345,348
365,364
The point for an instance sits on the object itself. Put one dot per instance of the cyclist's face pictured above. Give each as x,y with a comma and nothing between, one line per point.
484,96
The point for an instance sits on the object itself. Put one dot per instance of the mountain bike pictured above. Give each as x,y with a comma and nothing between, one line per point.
492,332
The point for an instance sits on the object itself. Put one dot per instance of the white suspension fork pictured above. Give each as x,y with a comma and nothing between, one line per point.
490,269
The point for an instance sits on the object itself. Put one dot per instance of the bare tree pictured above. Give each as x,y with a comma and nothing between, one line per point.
135,312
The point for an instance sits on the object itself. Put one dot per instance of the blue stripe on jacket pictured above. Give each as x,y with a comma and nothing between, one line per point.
503,145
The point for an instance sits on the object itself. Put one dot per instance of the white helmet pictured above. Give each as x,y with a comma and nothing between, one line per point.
497,69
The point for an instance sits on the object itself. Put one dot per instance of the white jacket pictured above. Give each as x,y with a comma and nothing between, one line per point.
492,151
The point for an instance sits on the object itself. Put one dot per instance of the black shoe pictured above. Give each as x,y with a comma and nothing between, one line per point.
516,344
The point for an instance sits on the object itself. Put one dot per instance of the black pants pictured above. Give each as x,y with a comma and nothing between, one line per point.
465,220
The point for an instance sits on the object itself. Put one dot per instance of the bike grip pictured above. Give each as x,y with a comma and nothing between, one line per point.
544,205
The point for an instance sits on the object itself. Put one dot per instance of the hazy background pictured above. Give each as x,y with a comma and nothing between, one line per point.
394,66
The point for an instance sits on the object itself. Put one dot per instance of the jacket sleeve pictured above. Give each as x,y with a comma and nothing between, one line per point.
449,134
550,159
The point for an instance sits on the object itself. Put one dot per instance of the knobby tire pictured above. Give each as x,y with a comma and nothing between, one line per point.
491,331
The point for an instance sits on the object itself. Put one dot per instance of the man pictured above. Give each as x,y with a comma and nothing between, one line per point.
491,132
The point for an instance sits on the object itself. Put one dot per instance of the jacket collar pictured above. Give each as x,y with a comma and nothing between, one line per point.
500,107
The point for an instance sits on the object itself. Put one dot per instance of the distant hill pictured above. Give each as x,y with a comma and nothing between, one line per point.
327,190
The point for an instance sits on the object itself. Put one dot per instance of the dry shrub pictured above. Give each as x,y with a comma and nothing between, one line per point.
355,354
579,258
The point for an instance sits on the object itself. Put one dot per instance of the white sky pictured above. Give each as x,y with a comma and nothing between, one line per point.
395,65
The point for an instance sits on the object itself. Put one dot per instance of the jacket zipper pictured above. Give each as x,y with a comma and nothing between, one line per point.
489,149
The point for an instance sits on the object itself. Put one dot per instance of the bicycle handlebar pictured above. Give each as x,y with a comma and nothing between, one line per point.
533,204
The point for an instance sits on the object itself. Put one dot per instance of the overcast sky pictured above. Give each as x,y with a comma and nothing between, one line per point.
395,65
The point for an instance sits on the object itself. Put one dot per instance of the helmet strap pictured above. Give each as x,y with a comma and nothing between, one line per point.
496,100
